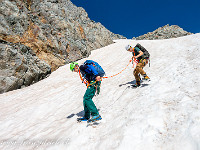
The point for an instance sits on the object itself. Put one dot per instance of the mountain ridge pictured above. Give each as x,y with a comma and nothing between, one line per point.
164,32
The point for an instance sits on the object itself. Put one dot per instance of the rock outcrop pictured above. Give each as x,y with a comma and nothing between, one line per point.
55,31
164,32
19,66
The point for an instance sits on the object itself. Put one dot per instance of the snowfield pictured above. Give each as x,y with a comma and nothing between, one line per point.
163,114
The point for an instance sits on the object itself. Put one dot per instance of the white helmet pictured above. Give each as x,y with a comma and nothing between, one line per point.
127,47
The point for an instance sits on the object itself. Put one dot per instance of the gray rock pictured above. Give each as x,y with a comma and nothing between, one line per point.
56,19
19,67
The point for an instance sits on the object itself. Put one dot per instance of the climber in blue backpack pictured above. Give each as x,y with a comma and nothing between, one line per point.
90,73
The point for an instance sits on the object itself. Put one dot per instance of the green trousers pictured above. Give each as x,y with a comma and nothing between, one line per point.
89,106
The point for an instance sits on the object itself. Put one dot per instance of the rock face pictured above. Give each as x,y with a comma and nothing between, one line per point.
164,32
19,66
55,31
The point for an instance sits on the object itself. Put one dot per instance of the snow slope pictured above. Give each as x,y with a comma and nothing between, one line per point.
164,114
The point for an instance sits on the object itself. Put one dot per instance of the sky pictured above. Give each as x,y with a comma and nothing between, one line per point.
132,18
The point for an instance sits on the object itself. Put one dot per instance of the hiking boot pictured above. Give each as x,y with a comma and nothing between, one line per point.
82,119
146,77
95,118
137,84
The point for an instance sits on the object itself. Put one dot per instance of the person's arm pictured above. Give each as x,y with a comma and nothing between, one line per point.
139,51
140,54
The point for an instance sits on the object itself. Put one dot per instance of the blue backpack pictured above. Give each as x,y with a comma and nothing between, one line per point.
97,67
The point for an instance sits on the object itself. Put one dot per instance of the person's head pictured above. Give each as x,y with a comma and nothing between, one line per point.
129,48
74,67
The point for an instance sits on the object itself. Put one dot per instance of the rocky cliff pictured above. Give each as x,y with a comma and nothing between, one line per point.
20,66
53,32
164,32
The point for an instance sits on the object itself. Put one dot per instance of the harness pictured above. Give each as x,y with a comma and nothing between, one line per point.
85,81
139,61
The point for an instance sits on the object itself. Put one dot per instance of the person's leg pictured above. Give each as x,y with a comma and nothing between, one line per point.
139,70
86,110
136,74
141,65
88,103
